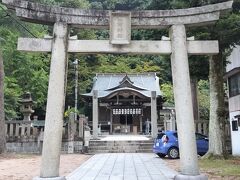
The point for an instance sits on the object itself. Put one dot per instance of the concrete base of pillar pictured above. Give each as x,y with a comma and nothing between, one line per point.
189,177
54,178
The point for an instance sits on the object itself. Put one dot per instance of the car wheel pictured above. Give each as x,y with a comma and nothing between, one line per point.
201,154
161,155
173,153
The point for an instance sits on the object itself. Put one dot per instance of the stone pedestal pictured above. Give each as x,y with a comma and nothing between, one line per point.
55,104
183,102
54,178
188,177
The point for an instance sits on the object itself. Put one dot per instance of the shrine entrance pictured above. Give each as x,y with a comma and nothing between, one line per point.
178,45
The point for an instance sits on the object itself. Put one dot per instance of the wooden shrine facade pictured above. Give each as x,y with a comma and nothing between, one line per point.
124,102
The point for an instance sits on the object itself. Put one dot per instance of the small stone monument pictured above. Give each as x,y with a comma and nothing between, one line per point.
26,106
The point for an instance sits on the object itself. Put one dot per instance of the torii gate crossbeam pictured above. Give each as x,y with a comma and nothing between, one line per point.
103,46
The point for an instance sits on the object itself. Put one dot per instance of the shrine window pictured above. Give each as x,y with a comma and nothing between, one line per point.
234,85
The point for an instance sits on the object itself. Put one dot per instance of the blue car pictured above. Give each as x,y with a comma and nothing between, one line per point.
167,144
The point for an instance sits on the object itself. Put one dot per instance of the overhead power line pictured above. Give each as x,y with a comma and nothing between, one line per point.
17,21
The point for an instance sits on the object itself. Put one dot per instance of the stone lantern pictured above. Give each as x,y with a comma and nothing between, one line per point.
26,106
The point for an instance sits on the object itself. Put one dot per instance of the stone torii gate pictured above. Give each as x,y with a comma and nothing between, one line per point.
178,46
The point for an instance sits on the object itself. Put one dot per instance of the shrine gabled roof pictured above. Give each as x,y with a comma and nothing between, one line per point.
108,83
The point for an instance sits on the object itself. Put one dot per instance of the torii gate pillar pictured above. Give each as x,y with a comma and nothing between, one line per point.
183,103
55,104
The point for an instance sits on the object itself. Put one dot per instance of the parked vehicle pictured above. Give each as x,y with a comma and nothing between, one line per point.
167,144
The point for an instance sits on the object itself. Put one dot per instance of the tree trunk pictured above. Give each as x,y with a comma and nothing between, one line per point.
194,91
217,108
2,115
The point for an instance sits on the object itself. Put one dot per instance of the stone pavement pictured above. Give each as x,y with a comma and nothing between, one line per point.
123,166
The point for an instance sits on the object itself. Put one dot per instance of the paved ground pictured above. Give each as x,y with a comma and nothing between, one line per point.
123,166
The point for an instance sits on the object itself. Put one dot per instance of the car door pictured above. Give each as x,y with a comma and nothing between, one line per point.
202,143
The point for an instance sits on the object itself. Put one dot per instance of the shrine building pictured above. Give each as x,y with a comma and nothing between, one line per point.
125,102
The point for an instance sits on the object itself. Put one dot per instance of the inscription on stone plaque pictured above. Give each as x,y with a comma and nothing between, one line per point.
120,28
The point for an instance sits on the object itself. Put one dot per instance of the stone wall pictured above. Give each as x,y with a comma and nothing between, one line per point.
36,148
23,147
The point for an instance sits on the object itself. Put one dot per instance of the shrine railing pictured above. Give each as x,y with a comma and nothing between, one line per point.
201,126
20,130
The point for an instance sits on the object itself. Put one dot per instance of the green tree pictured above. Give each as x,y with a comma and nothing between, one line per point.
203,99
168,97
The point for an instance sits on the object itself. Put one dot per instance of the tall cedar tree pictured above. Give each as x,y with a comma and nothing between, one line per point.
2,117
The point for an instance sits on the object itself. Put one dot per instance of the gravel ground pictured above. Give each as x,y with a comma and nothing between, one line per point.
25,167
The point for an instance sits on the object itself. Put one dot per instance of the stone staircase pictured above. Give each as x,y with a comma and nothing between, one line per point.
139,146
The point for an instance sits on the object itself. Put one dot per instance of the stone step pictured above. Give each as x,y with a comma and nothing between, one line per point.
119,143
96,146
120,151
144,141
121,147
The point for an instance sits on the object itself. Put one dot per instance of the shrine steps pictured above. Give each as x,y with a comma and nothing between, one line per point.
99,146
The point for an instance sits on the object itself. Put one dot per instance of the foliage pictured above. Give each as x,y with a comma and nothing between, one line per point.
203,99
23,71
71,110
168,97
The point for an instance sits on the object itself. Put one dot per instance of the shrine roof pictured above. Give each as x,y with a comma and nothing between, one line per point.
142,83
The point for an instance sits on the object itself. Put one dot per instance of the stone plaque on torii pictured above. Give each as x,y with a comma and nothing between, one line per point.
179,46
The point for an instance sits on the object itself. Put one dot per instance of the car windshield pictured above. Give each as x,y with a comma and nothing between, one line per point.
160,135
200,136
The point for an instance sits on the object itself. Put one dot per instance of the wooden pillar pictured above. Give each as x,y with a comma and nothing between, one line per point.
111,121
141,124
95,114
154,114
